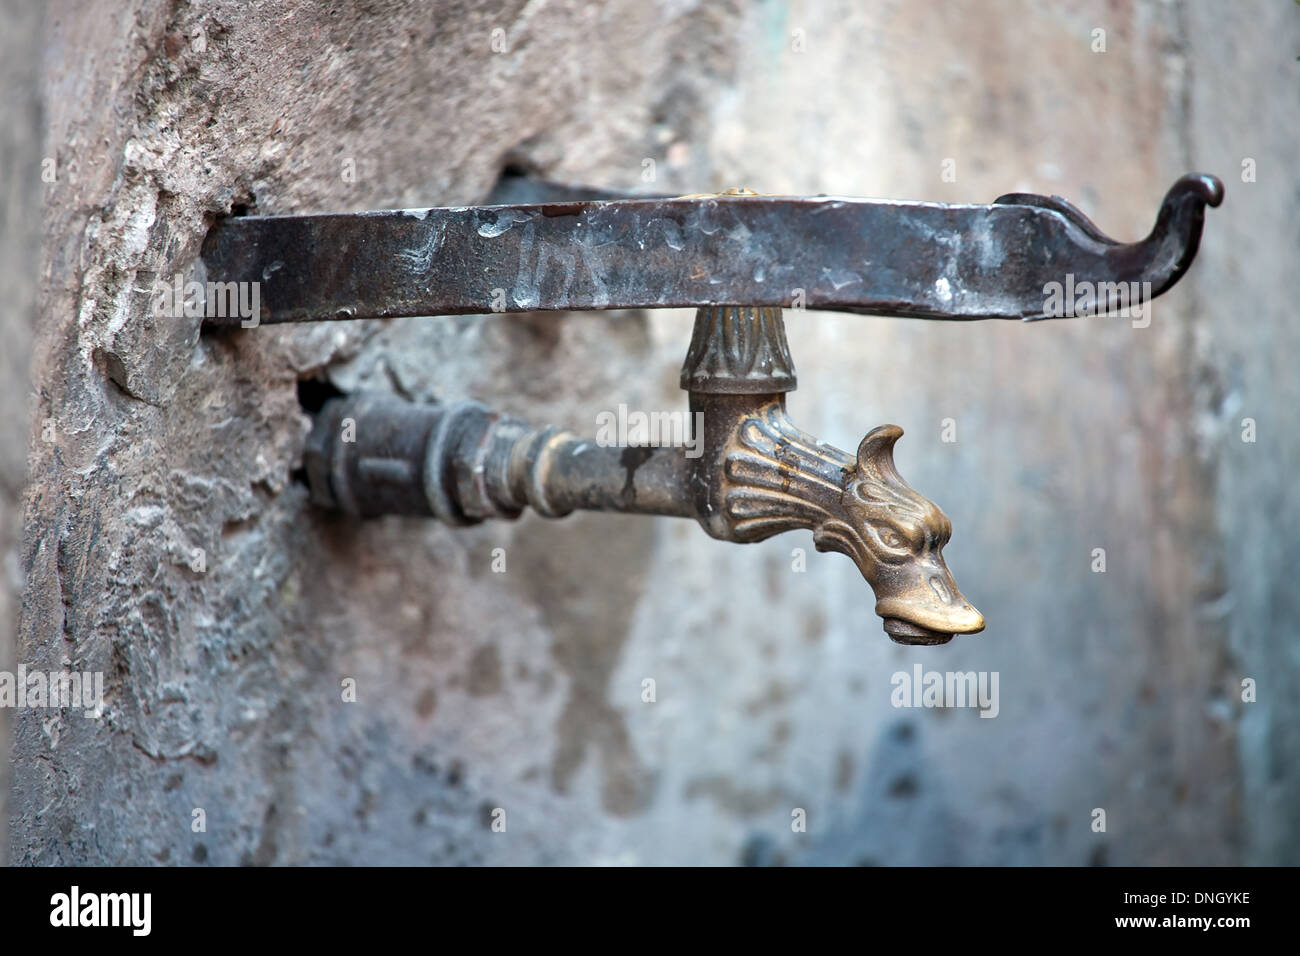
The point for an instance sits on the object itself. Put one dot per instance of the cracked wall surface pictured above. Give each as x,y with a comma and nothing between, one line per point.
167,543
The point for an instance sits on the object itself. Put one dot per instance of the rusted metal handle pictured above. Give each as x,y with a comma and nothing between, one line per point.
917,259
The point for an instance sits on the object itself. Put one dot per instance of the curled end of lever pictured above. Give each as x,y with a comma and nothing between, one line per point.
1182,211
1152,264
1209,189
1191,193
1176,235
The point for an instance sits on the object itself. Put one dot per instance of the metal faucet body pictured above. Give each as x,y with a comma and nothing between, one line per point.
750,473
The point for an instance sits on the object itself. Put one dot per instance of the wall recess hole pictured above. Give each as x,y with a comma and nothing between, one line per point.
314,392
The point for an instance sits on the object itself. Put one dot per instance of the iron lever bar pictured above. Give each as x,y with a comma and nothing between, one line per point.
877,257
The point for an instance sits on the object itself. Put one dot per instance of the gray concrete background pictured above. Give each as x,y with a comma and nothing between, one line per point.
522,690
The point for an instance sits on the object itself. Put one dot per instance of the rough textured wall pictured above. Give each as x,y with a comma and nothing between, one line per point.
21,183
522,690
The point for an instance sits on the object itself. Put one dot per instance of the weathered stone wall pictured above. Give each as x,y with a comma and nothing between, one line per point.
522,690
21,184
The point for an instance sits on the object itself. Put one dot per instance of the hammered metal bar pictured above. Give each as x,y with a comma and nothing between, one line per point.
917,259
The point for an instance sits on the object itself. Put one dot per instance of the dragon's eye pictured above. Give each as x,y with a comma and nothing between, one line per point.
892,544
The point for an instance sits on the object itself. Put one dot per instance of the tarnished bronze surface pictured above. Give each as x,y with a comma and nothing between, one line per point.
762,475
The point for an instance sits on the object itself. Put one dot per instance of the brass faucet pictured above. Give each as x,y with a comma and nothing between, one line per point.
747,472
756,473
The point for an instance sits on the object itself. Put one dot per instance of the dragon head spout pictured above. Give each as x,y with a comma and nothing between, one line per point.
896,536
766,476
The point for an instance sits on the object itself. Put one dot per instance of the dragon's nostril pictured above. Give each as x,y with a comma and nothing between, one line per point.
940,589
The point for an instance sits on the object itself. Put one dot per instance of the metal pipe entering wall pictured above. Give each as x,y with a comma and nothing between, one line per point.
371,454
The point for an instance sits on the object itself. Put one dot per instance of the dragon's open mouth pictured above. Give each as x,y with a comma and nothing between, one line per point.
910,619
905,632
